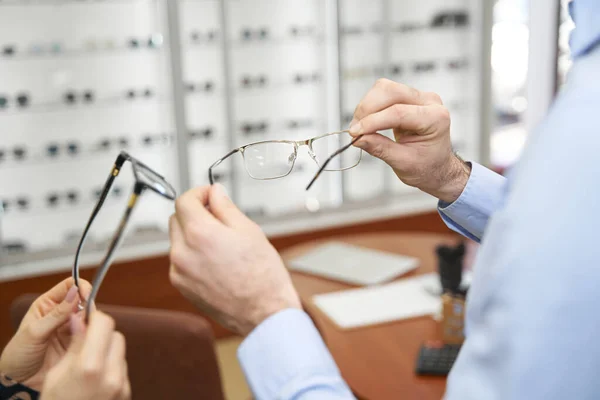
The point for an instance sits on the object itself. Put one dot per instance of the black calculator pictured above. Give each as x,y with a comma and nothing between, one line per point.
436,358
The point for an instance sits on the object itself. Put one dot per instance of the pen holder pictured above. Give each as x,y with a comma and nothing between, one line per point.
450,265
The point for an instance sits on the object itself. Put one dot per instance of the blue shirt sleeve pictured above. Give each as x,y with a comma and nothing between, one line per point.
470,213
286,358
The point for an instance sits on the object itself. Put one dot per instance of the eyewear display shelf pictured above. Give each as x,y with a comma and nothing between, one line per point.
180,83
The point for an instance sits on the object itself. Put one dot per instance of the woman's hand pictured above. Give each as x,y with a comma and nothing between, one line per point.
44,335
94,367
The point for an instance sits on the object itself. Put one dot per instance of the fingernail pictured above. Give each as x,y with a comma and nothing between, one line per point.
71,294
352,122
75,324
355,129
221,191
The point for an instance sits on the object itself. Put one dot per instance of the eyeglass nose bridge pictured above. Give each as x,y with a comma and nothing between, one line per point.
308,143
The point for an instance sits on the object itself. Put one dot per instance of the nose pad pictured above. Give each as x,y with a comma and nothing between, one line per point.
292,158
312,154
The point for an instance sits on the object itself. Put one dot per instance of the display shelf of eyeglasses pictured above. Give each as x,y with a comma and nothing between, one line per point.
91,47
207,87
451,19
78,204
23,102
264,37
381,206
251,84
56,201
450,65
70,150
67,2
351,31
199,38
18,259
207,132
264,128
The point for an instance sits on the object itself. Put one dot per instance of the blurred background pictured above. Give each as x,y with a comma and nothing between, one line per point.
180,83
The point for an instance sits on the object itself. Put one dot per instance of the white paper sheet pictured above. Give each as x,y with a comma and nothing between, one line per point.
406,298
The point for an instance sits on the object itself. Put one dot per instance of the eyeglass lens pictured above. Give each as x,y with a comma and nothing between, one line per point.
325,146
269,160
153,180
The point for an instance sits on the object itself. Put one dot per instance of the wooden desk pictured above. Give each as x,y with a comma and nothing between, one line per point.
378,362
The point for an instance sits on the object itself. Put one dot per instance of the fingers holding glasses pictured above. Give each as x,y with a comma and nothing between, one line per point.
385,93
226,211
192,213
413,119
99,338
116,367
94,367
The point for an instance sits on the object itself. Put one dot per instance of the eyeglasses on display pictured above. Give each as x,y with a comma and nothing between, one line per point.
207,86
307,78
307,30
258,127
205,133
260,34
209,36
23,99
250,81
145,178
133,93
300,124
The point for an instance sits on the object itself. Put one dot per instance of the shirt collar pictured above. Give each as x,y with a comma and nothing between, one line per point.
586,35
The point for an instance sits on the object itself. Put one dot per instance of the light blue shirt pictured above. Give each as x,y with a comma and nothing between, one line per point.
533,321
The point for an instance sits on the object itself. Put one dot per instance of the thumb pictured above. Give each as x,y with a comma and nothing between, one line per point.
59,315
222,207
77,333
384,148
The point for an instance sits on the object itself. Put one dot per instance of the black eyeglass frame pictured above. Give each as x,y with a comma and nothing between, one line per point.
139,187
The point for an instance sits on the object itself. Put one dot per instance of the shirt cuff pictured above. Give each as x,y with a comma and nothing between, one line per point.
482,195
285,356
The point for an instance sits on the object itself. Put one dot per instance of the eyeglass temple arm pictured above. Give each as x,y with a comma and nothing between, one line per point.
116,240
107,185
211,178
331,157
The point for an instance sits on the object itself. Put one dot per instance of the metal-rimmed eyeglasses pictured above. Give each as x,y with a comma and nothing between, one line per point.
273,159
145,178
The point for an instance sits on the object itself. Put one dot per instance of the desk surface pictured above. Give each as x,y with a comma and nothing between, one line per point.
378,362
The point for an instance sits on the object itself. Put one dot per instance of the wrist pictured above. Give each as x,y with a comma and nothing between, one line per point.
453,180
262,313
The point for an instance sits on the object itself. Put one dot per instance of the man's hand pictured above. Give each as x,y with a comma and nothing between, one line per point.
422,154
224,264
43,336
94,367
